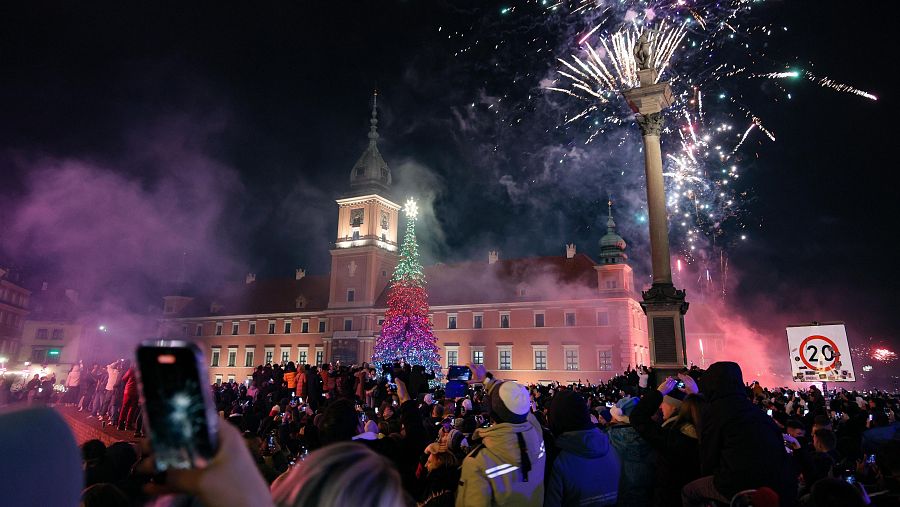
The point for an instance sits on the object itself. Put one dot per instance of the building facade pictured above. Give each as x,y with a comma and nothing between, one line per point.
55,335
563,317
14,304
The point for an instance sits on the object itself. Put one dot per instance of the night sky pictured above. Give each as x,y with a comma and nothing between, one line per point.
129,136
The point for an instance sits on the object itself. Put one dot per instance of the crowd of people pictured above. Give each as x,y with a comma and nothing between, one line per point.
352,435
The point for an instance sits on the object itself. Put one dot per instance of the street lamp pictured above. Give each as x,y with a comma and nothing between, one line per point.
663,304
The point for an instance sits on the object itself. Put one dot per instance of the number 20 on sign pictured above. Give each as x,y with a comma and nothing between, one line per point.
820,353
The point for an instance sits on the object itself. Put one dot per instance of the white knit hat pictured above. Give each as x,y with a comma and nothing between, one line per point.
510,402
467,405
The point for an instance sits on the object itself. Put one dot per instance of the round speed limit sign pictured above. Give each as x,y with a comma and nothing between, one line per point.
819,353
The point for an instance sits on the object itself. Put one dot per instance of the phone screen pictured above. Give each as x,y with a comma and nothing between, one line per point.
455,389
458,372
177,404
769,412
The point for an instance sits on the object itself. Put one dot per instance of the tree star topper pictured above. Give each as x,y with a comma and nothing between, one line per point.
411,209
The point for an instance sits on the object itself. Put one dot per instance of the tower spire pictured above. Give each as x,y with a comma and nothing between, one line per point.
373,130
610,223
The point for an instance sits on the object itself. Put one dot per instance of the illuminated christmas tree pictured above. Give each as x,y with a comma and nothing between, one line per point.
406,334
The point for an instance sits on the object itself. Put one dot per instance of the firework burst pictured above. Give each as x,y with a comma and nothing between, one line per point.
581,51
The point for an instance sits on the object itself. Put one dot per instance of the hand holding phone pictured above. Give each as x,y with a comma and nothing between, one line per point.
178,409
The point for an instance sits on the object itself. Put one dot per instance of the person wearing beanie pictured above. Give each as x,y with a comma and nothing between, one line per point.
740,446
506,466
675,440
636,455
585,469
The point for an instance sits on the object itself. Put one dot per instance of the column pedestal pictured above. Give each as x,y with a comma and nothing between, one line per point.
665,307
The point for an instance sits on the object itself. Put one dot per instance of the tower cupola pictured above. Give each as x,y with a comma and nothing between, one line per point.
612,246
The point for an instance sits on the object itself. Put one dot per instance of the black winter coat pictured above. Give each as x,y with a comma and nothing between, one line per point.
677,453
739,444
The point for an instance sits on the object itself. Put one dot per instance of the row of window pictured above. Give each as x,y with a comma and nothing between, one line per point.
13,297
9,319
44,356
478,320
452,323
539,357
250,360
44,334
235,328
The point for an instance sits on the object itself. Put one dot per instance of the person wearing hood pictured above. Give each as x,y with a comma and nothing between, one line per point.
506,467
636,455
740,446
675,440
586,470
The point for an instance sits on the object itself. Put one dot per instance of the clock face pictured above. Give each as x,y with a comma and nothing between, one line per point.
385,220
356,217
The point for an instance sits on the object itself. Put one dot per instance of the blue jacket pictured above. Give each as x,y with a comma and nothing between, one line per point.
636,482
586,472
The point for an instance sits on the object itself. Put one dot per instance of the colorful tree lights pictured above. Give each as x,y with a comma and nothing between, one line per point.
406,334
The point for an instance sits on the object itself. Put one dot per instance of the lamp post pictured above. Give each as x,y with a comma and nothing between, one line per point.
663,304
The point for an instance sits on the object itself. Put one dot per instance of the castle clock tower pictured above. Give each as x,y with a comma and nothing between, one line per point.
364,254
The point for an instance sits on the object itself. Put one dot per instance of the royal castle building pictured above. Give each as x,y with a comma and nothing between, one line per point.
565,317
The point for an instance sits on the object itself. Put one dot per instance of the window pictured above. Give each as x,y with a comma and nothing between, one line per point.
41,335
234,328
320,355
301,356
611,284
231,378
321,325
356,216
540,358
304,326
218,380
538,320
287,327
451,322
355,235
380,321
570,319
285,355
199,329
248,358
505,360
478,356
232,357
504,320
253,328
571,359
351,295
218,329
452,357
603,318
605,360
38,356
57,334
348,324
215,357
270,354
478,321
271,327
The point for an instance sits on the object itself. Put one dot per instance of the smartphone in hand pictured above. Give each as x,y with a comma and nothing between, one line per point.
178,408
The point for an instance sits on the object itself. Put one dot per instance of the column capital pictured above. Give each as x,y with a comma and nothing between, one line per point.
651,123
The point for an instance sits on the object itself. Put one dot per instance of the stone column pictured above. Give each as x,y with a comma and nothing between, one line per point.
651,124
663,304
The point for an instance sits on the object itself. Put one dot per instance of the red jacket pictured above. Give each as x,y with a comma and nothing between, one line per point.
130,380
